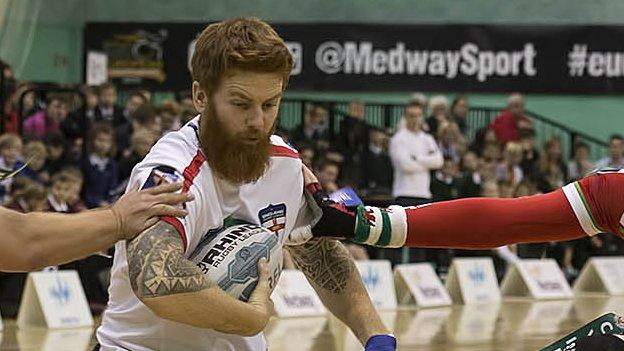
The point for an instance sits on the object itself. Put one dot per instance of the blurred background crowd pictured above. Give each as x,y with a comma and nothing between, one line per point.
78,154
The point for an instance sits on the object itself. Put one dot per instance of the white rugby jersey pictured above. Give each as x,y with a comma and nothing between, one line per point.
273,201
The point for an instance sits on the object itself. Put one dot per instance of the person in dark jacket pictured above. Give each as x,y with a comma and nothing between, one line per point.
101,171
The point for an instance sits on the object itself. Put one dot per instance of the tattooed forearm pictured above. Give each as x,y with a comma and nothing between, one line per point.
157,267
325,262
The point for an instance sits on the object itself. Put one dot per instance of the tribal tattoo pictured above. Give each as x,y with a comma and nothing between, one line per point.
324,261
157,266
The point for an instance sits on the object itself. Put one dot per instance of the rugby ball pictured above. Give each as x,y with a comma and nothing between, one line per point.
231,258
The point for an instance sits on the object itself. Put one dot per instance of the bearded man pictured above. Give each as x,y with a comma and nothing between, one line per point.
233,165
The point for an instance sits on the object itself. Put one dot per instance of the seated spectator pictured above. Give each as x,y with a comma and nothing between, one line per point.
169,113
143,118
615,159
78,123
354,129
508,170
488,171
314,129
10,159
492,152
108,110
530,154
47,120
142,142
483,138
552,171
510,121
581,165
470,181
459,112
57,155
12,111
376,164
451,142
134,100
438,113
444,184
327,175
35,153
101,172
62,192
28,197
75,202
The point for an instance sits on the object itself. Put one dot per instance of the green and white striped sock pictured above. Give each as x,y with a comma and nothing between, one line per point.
381,227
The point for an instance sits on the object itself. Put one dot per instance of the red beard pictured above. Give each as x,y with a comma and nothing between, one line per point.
228,156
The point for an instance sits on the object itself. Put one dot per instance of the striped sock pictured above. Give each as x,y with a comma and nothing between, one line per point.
381,227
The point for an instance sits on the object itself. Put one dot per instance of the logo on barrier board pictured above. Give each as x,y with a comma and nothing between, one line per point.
477,274
60,292
370,278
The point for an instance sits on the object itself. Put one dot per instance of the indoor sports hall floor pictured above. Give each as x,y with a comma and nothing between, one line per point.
512,325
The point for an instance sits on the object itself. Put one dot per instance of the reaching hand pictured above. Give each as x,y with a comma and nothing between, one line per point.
138,210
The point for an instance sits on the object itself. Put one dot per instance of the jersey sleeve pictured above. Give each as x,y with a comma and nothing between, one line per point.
151,175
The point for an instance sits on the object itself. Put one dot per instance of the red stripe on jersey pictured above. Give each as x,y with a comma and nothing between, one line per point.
283,151
178,226
190,172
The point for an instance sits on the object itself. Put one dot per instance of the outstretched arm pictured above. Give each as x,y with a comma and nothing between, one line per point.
174,288
37,239
331,271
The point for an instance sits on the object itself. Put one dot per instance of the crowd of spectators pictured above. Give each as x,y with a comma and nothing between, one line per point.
79,156
429,157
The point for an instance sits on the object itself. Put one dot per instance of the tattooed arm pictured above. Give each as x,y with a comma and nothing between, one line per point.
331,271
174,288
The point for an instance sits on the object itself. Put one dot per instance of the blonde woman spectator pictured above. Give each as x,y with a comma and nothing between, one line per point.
581,165
451,142
508,170
438,110
552,171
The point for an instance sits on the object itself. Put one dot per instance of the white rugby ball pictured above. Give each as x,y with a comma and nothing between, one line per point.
231,258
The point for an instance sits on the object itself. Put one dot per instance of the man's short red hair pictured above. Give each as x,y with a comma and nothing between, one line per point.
244,43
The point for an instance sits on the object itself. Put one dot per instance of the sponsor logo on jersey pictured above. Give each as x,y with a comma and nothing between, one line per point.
273,217
161,175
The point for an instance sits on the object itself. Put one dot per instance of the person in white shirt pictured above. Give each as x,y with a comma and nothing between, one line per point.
414,154
229,160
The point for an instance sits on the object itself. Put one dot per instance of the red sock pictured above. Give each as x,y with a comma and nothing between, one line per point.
488,223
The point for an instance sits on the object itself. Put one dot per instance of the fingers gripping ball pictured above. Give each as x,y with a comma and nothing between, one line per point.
230,258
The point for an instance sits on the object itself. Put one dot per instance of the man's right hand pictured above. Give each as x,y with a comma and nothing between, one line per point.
138,210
